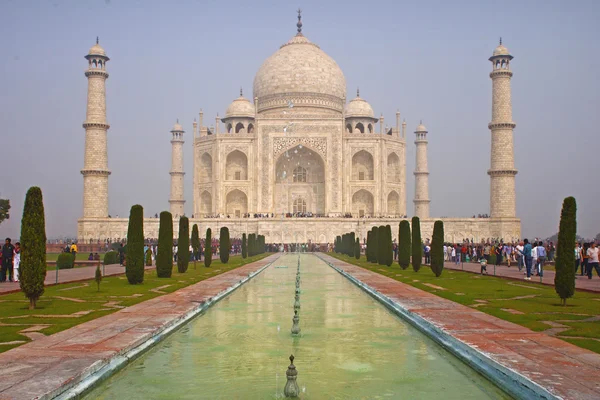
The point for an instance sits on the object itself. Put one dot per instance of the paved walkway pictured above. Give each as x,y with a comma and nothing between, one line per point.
581,282
66,276
562,368
39,368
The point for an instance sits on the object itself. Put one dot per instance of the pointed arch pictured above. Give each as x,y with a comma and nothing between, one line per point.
362,203
360,127
393,204
362,166
236,166
205,204
237,203
206,168
393,168
239,128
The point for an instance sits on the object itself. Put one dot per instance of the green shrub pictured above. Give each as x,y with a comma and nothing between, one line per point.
183,245
164,256
251,245
357,249
404,241
224,245
417,245
65,261
389,247
195,242
32,269
244,246
369,249
134,256
208,250
437,248
111,257
564,280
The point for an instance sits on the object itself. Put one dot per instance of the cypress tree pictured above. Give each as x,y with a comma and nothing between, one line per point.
437,248
564,279
404,241
389,249
251,245
357,249
262,243
32,270
183,245
368,249
381,245
208,250
135,258
195,242
417,246
164,256
351,244
224,245
244,248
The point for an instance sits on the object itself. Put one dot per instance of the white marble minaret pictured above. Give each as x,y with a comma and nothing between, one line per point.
502,170
176,200
421,174
95,165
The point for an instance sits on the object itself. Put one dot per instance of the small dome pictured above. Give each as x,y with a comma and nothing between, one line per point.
501,51
359,107
177,127
421,128
97,50
240,107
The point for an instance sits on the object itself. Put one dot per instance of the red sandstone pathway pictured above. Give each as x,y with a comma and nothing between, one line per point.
42,366
581,282
564,369
66,276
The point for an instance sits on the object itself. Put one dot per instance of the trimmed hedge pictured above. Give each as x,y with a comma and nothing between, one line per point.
164,256
357,249
183,245
208,250
65,261
135,258
417,245
437,248
224,245
111,257
564,280
404,241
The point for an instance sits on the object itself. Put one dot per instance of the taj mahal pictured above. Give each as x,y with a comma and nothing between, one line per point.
299,161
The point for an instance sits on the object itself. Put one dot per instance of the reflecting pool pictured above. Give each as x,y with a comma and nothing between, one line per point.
350,347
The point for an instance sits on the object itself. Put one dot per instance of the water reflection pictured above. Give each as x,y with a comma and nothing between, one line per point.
350,347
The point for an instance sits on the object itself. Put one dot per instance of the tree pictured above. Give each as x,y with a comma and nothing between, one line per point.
164,256
251,244
65,261
4,209
32,269
357,249
351,245
224,245
381,245
389,246
244,246
564,279
135,258
98,276
404,244
208,248
437,248
183,245
375,240
417,245
195,242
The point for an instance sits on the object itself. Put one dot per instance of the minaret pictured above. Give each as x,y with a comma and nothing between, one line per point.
421,174
502,171
176,201
95,165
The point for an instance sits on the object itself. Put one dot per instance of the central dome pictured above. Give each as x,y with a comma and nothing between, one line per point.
302,74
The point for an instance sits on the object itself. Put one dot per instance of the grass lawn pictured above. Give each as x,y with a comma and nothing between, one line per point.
66,305
528,304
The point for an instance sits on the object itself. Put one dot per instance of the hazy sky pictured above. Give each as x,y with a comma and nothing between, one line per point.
429,59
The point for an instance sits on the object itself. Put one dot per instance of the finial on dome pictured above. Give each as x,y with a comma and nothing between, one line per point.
177,120
357,92
299,24
500,40
420,122
241,92
97,39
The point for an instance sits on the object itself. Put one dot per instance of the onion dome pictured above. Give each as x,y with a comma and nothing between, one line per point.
359,108
177,127
240,107
97,50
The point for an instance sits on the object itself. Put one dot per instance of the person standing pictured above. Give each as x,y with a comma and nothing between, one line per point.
584,258
578,258
534,257
519,255
592,263
17,260
486,252
499,250
8,251
527,250
541,253
74,250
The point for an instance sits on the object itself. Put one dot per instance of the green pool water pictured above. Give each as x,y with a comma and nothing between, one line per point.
350,347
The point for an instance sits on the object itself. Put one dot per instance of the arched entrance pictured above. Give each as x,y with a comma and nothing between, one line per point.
299,180
362,203
237,203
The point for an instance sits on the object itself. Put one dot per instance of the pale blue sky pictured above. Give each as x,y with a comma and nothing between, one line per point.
426,58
